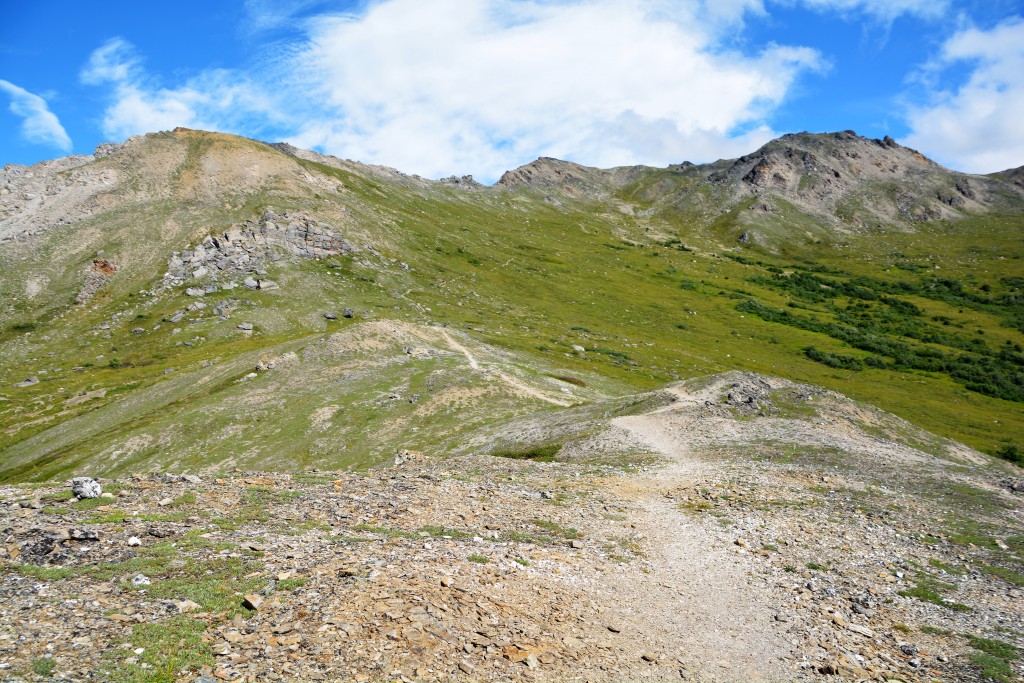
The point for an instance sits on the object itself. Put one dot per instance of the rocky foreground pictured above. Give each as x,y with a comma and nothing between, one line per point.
763,540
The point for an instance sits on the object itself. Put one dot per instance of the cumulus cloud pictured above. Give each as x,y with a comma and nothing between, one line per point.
451,86
40,125
217,99
976,127
484,85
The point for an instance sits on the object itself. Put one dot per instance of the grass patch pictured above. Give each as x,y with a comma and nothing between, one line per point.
948,568
44,666
444,532
935,631
993,658
389,532
928,589
171,646
479,559
292,584
1008,575
556,529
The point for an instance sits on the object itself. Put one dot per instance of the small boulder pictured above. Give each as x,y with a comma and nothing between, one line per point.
331,316
85,487
252,601
348,313
30,382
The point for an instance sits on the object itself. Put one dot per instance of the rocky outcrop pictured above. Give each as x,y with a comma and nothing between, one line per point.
248,247
96,276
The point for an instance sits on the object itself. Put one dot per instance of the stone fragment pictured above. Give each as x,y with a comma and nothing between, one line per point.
134,541
184,606
252,601
245,327
141,580
84,535
862,630
30,382
348,313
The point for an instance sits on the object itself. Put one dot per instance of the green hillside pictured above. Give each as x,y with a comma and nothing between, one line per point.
657,274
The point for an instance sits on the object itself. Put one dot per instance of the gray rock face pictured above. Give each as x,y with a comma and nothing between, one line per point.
30,382
85,487
247,248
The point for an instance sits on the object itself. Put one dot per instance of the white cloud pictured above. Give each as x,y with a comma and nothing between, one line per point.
40,125
976,127
437,87
481,85
217,99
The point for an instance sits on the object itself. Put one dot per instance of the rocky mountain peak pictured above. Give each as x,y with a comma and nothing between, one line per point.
853,176
549,173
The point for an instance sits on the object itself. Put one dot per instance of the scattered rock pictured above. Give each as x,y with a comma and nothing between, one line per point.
85,487
141,580
30,382
134,541
348,313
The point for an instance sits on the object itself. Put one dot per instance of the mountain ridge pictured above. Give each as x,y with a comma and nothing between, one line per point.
157,226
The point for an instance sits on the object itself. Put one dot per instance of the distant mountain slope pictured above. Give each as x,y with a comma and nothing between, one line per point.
830,259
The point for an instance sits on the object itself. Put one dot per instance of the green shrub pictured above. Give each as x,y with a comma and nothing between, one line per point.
535,453
1011,452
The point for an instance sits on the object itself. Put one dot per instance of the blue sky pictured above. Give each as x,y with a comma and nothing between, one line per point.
440,87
